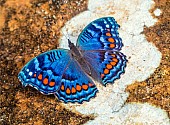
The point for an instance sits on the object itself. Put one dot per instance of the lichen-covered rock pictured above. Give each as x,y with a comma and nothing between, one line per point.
143,57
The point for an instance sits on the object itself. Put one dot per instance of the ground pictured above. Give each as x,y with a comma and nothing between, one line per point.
29,28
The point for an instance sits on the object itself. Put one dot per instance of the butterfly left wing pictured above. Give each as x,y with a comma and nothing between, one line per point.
55,72
76,86
44,72
100,34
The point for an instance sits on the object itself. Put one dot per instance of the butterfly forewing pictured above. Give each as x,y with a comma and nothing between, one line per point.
101,34
44,72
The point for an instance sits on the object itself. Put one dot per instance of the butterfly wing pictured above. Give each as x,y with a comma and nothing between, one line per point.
100,34
100,44
108,65
44,72
56,72
76,86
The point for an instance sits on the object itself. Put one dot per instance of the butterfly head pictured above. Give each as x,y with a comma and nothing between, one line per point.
70,44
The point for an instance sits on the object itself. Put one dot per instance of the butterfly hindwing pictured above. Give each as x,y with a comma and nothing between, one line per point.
44,72
76,86
100,34
108,64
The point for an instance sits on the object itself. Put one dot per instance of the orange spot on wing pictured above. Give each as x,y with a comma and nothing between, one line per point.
73,90
68,91
111,40
113,63
78,87
115,59
108,34
62,87
112,45
113,55
34,75
106,71
102,75
85,87
40,76
91,84
52,83
109,66
45,81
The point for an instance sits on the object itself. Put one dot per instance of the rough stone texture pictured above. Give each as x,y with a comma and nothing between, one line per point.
30,27
143,57
156,88
135,113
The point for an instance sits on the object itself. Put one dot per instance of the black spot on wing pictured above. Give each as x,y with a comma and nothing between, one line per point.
69,77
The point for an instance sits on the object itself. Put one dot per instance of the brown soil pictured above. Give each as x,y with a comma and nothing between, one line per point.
156,89
30,27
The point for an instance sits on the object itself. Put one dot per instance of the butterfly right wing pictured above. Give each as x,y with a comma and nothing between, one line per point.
108,65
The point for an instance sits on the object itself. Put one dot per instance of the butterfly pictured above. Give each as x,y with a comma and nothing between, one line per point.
70,74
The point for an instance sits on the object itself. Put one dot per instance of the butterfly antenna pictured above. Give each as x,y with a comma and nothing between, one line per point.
68,38
66,35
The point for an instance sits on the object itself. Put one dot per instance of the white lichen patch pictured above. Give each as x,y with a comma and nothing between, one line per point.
133,114
143,58
157,12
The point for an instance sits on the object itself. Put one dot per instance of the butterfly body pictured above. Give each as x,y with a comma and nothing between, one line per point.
68,74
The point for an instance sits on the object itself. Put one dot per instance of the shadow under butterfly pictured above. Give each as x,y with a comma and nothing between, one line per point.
68,74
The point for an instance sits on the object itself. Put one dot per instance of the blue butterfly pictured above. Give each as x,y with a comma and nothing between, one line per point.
68,74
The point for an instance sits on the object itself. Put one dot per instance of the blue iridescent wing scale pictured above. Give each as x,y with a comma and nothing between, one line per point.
44,72
76,86
100,34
